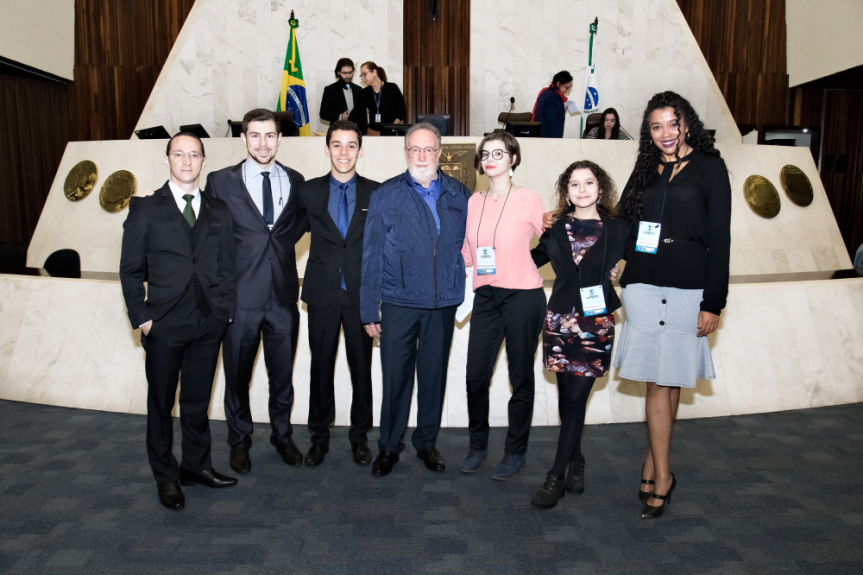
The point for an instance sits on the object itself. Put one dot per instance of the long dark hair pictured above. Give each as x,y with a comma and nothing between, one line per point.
606,205
615,131
649,156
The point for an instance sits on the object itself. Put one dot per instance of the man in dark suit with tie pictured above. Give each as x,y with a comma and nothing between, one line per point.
261,194
343,99
184,240
333,207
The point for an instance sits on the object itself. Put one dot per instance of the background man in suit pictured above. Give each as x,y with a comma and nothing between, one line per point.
184,239
260,194
412,281
334,208
343,99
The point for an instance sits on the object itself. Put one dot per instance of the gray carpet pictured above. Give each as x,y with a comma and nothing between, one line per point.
768,493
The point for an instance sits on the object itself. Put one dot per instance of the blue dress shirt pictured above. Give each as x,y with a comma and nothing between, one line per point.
280,183
430,195
333,203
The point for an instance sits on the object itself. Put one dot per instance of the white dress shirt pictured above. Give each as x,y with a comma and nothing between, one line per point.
181,202
280,184
349,97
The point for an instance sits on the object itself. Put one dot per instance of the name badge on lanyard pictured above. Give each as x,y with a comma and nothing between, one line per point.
592,300
648,237
485,261
377,118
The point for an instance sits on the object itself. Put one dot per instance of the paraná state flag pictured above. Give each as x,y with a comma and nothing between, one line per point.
591,78
292,95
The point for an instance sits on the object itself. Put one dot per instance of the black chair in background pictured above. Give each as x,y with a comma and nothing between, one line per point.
286,121
507,117
63,264
592,121
439,121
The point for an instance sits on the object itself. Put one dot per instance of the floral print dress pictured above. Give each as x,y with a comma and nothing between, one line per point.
571,342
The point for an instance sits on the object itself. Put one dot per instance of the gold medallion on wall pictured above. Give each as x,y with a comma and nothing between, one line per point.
117,190
80,181
761,196
456,160
796,185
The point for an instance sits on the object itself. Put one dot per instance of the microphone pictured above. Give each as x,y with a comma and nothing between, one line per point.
511,107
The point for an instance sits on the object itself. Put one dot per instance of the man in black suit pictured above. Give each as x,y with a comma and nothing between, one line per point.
261,194
343,99
333,207
184,240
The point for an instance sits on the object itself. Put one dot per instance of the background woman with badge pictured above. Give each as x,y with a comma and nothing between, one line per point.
678,200
382,100
578,332
509,301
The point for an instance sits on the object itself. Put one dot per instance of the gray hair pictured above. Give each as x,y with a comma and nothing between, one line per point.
422,126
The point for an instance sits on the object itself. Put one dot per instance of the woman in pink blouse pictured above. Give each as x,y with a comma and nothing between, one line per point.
509,301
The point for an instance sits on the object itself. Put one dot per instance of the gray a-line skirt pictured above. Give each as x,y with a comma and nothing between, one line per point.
658,341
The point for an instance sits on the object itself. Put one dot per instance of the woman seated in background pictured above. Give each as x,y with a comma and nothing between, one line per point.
383,101
578,332
610,129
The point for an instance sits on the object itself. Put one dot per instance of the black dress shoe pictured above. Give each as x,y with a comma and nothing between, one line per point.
290,453
315,456
433,459
171,496
362,453
240,461
209,477
384,462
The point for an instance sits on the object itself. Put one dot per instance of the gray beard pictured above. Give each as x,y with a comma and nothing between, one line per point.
420,177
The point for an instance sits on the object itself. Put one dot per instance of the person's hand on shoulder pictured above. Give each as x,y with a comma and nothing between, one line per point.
548,219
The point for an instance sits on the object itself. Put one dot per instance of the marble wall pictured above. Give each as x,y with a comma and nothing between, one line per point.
779,346
797,240
645,46
230,55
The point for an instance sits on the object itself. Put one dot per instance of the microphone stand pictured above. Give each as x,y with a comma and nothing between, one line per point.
511,107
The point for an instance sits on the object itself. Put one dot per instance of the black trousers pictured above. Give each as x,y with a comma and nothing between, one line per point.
279,326
189,346
325,323
498,314
413,341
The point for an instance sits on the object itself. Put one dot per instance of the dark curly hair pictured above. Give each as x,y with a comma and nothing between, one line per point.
649,156
607,203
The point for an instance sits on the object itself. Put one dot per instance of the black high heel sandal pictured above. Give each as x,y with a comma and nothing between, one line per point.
651,512
643,496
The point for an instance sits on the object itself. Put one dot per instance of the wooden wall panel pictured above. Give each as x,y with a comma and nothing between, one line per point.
744,43
437,61
120,48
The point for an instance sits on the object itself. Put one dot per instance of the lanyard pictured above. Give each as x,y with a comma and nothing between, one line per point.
677,163
602,269
499,216
377,97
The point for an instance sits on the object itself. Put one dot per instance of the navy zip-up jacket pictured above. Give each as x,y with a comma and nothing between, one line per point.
405,261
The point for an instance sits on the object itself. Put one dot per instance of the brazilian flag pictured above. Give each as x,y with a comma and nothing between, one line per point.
292,95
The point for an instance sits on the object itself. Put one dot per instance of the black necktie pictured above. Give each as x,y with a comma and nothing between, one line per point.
268,198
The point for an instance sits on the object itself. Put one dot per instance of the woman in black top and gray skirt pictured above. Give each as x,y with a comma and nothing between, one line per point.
678,200
578,332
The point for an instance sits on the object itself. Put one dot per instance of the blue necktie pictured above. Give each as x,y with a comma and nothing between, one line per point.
267,190
343,218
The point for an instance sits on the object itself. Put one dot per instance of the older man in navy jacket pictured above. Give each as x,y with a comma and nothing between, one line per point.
412,281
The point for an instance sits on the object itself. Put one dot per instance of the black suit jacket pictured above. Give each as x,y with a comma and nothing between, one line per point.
333,105
554,247
266,259
157,239
330,255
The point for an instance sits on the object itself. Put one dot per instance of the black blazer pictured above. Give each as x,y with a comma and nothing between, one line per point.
158,240
330,255
333,105
554,247
392,105
266,259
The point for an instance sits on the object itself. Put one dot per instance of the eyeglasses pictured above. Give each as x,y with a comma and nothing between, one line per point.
192,155
496,154
417,151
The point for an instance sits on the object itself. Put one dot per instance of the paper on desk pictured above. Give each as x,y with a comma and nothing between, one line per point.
467,305
571,107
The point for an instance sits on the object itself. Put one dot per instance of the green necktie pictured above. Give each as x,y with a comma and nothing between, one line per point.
188,212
